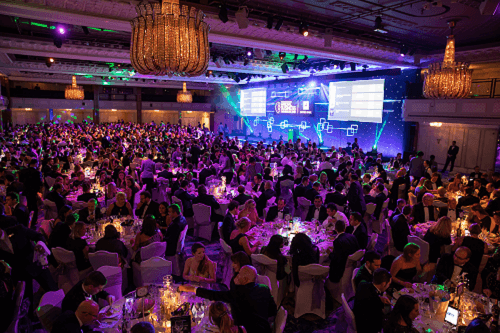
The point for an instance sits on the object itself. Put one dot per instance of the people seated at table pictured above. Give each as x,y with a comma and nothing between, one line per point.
312,192
130,190
366,194
424,211
494,204
110,193
336,196
86,195
452,265
163,219
438,236
398,210
333,215
258,183
456,184
369,302
468,199
477,246
14,208
208,200
62,230
480,190
220,316
79,246
357,228
251,303
450,210
344,245
174,230
406,266
111,243
480,216
121,207
400,319
278,211
273,250
238,240
78,320
149,234
266,195
146,206
6,221
242,198
300,190
199,268
372,262
91,213
186,199
250,212
12,184
317,211
92,287
380,197
440,198
238,260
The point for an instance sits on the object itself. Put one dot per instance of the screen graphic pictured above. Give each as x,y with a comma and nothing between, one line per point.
253,102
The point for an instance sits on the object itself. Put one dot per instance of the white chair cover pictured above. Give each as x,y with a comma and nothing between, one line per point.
67,273
160,194
351,323
280,320
50,181
203,227
50,209
266,210
354,272
49,308
178,259
271,201
154,269
372,242
412,198
370,208
310,296
268,267
114,277
262,279
303,207
46,227
156,249
424,248
344,286
103,258
225,262
177,201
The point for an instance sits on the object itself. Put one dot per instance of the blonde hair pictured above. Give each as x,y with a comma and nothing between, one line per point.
121,194
243,223
249,203
442,227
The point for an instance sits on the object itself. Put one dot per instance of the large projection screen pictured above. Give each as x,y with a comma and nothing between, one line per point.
253,102
356,100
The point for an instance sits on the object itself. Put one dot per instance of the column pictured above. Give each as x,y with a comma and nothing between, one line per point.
96,113
138,98
6,117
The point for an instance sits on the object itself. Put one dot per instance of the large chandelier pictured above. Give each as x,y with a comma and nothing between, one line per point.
448,79
73,91
184,96
169,39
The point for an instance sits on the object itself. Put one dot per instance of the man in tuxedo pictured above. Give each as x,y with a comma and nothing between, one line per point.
399,209
400,228
343,246
258,184
494,205
469,199
91,213
174,230
146,206
476,174
450,210
209,200
496,179
229,220
451,266
12,184
251,303
77,321
56,196
242,197
402,179
365,272
424,211
279,211
317,211
266,195
380,197
33,183
86,196
369,302
451,157
92,287
300,190
313,192
16,209
355,196
366,194
358,229
186,199
6,221
479,189
336,197
347,171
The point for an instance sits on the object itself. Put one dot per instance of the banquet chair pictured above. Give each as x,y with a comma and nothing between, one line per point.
303,207
368,218
344,286
50,181
45,228
280,320
412,198
67,273
219,229
152,271
351,322
268,267
103,258
156,249
391,250
424,248
178,259
18,298
49,308
78,205
241,207
354,272
177,201
262,279
378,225
271,202
372,242
114,277
50,209
311,292
225,262
160,193
203,227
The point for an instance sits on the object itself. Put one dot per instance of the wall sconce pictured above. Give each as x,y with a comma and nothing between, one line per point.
436,124
113,109
28,109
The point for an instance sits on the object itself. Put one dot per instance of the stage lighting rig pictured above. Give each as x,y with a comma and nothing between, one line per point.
282,55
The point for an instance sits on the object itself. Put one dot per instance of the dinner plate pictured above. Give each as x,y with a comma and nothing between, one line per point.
114,311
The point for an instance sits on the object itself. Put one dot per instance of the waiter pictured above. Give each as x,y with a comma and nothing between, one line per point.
452,155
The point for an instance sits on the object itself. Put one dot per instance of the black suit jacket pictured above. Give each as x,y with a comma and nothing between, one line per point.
153,209
419,213
323,215
76,295
7,221
258,188
493,206
16,187
172,235
85,197
356,198
446,266
56,198
242,198
337,198
210,201
395,189
369,199
300,191
467,201
262,200
343,246
273,212
311,194
32,180
453,151
22,214
83,215
187,202
379,201
361,234
251,305
483,192
362,276
228,226
67,323
165,174
400,232
204,174
368,309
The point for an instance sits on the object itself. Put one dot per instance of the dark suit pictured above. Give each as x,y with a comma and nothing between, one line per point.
474,174
242,198
394,214
356,198
445,267
467,201
394,195
361,234
32,180
368,309
311,194
153,209
493,206
444,212
22,214
343,246
187,202
83,215
400,232
67,322
228,226
419,213
210,201
323,215
337,198
251,305
262,200
258,187
56,198
483,192
85,197
16,187
7,221
379,201
452,156
76,295
299,192
165,174
172,235
204,174
362,276
369,199
272,214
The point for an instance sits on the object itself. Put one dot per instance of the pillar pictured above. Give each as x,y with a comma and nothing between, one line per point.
138,99
96,113
6,115
212,121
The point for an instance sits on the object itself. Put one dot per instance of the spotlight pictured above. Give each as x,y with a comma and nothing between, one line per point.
278,24
312,84
378,25
284,68
404,50
353,66
305,58
49,62
295,57
223,14
85,30
282,55
249,53
342,65
61,30
270,21
304,29
242,17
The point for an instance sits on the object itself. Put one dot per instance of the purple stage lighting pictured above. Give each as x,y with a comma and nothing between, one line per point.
312,84
61,30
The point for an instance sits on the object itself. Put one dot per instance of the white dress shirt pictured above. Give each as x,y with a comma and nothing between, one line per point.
316,213
426,213
452,214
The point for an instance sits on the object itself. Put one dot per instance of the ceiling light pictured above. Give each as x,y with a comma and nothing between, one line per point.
270,21
378,25
61,30
223,14
74,91
49,62
353,66
284,68
304,29
282,55
184,96
278,24
404,50
242,17
249,53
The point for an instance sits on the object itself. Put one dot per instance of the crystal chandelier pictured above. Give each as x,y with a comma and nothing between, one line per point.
169,39
184,96
448,79
73,91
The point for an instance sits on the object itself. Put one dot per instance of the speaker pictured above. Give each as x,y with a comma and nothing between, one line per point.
236,118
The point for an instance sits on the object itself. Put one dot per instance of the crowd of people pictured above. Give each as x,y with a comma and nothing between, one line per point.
51,161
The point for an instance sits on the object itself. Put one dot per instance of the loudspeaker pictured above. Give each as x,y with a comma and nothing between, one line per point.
236,118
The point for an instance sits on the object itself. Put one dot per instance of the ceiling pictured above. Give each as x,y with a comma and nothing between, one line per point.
26,38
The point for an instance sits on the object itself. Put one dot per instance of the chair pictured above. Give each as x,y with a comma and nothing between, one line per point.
50,181
372,242
45,228
303,207
49,308
153,270
268,267
370,209
78,205
18,297
354,272
67,273
424,248
271,202
50,209
351,322
225,262
262,279
177,259
219,229
114,276
280,320
344,286
311,292
103,258
156,249
160,193
391,250
203,227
